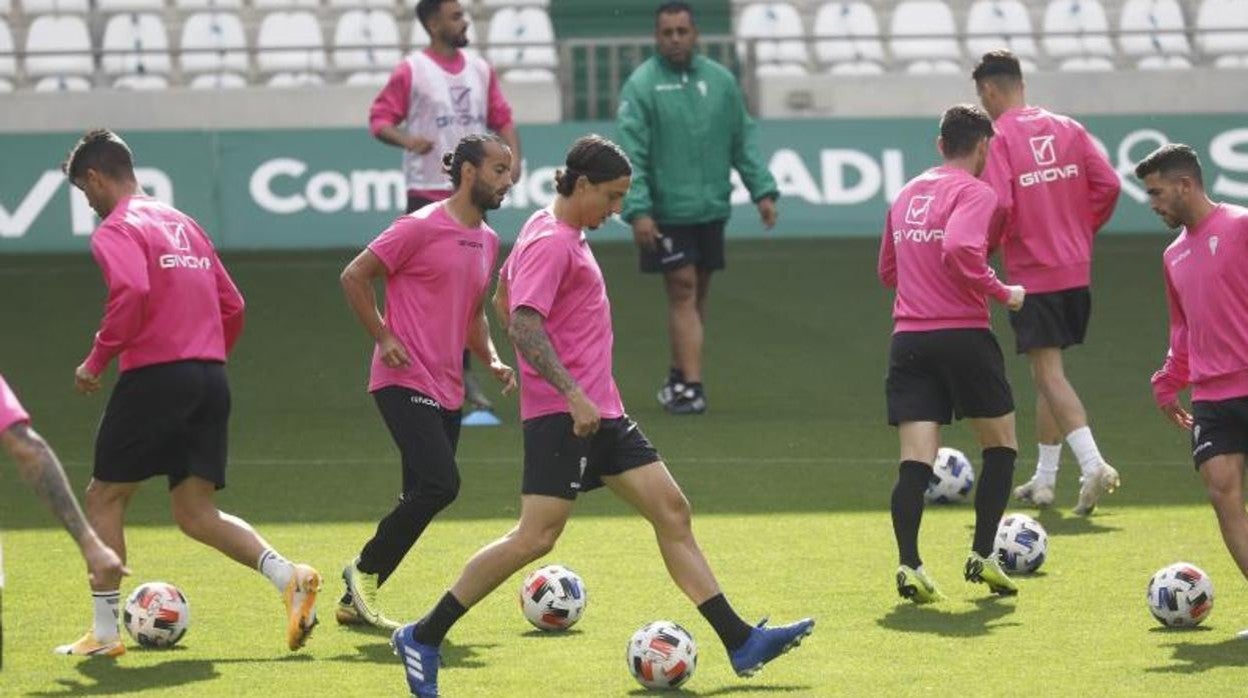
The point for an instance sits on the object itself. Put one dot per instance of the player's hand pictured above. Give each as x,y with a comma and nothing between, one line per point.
1176,414
418,145
104,567
585,415
1017,295
85,381
767,212
646,233
392,352
504,374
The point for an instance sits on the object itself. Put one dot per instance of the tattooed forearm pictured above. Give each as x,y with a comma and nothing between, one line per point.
39,467
529,337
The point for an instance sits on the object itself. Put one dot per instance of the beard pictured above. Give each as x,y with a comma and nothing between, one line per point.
487,198
458,40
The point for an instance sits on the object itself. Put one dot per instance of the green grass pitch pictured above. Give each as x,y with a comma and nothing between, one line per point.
789,474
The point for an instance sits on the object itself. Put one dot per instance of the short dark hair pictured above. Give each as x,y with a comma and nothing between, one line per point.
428,8
999,65
672,8
103,151
962,127
471,149
1170,159
594,158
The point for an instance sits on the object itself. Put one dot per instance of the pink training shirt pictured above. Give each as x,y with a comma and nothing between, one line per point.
438,272
1207,290
169,296
11,411
441,99
553,271
1056,189
935,252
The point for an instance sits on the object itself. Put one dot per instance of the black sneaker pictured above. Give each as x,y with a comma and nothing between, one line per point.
686,400
674,385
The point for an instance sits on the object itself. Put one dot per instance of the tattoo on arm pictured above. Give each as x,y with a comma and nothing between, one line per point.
40,468
529,336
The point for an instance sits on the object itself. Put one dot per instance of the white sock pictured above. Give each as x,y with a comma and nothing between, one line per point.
1046,466
106,605
278,569
1084,447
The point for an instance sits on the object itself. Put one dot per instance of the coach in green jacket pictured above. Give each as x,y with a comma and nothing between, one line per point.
682,121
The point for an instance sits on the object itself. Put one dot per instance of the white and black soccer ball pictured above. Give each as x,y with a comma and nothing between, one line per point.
952,478
662,655
1021,543
1180,595
157,614
553,597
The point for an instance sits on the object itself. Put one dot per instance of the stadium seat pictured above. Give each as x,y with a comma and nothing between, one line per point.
374,78
60,7
1154,29
296,79
364,5
857,23
213,42
58,45
371,38
522,25
997,24
113,6
8,64
1163,63
141,82
265,5
934,49
63,83
135,43
1229,48
771,70
218,81
192,5
777,30
1075,34
290,41
856,68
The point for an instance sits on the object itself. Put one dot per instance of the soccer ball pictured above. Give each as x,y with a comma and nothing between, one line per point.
1180,595
1021,543
553,598
157,614
952,478
662,655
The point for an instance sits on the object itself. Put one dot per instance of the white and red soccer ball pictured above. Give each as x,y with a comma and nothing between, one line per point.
1180,595
662,655
157,614
553,598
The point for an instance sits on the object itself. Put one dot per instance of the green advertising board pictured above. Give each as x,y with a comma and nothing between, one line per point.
286,189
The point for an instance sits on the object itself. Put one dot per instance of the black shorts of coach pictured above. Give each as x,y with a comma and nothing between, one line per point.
699,244
166,419
1052,320
1219,427
558,463
940,374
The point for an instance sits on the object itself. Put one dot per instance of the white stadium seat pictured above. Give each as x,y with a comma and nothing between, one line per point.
777,30
284,4
771,70
1154,29
111,6
1164,63
1229,45
8,64
1086,64
933,48
213,42
213,5
522,25
141,82
856,68
59,7
857,23
997,24
135,43
290,41
218,81
58,45
364,4
63,83
299,79
375,78
370,38
1077,29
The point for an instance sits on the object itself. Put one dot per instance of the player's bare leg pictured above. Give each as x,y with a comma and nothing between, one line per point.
542,519
1224,482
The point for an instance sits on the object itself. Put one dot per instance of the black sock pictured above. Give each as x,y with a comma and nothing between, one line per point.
732,631
907,509
674,376
433,628
991,495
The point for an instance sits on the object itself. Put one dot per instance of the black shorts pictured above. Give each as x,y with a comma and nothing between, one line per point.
936,375
427,435
700,244
166,419
1052,320
1218,428
557,463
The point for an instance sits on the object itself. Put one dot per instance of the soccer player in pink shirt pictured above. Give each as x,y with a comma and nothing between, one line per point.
437,265
944,361
1056,190
39,467
172,316
577,436
1207,292
434,98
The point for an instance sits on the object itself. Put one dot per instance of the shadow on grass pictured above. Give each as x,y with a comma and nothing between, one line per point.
1194,658
453,655
536,633
111,678
934,620
1066,524
752,689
